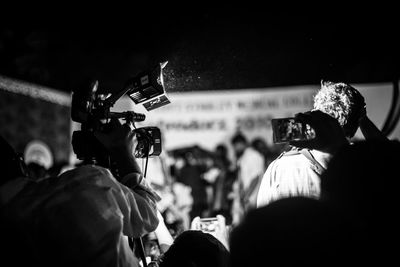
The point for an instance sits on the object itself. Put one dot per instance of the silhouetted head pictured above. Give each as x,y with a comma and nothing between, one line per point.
221,151
239,143
260,145
295,231
196,249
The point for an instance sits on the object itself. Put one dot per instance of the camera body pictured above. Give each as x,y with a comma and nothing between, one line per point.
289,129
93,111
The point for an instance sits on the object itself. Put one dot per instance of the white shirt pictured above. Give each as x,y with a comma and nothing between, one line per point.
287,176
251,165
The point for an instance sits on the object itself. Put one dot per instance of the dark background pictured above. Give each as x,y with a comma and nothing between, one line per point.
207,49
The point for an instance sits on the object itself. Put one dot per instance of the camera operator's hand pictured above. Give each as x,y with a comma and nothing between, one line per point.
329,134
117,138
120,142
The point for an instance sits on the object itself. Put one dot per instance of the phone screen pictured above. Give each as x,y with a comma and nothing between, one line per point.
289,129
208,224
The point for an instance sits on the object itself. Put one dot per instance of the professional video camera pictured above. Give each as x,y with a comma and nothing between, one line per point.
92,110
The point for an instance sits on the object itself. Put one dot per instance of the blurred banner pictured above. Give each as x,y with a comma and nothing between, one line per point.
212,117
208,118
203,118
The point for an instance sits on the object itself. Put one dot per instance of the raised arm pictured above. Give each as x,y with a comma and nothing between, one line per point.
369,129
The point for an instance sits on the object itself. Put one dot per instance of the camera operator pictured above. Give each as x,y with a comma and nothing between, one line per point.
298,171
84,216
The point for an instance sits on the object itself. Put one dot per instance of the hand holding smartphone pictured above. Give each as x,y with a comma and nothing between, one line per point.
312,130
208,224
215,226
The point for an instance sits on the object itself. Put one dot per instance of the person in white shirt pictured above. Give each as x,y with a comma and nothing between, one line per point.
298,171
250,168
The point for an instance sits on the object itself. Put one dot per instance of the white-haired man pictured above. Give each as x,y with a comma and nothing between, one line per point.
297,172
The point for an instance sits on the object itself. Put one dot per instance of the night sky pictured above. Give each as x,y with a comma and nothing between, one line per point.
206,50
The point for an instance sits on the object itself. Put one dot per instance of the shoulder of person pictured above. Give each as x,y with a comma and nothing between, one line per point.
300,155
292,152
87,170
88,175
293,156
12,188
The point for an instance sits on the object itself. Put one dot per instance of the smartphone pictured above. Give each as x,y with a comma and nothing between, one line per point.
208,224
289,129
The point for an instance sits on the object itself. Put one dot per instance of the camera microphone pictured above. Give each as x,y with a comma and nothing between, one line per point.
135,117
128,116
